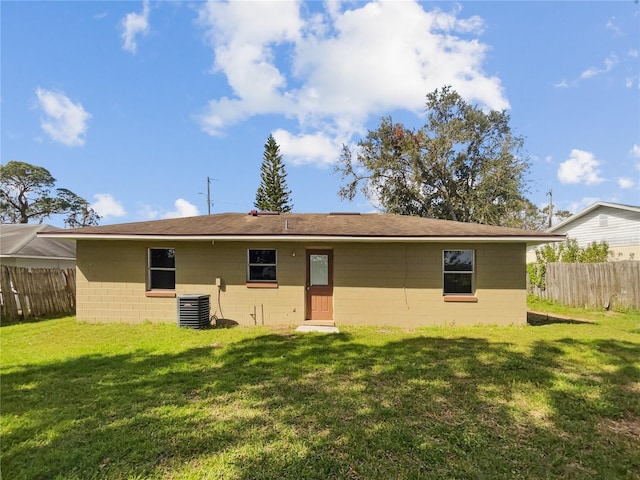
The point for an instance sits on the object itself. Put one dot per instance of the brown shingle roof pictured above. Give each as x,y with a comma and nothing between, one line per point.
291,225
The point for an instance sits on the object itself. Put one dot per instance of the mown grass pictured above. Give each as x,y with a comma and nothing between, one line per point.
559,400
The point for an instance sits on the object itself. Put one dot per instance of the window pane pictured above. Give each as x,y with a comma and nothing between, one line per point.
457,283
319,269
458,260
262,256
163,279
162,257
259,273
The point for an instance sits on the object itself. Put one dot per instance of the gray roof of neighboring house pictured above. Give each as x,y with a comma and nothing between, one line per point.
21,240
591,208
305,226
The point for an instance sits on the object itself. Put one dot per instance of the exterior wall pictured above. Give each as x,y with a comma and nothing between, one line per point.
620,228
374,284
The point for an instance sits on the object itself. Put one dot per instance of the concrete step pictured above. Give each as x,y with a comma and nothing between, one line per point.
317,328
320,323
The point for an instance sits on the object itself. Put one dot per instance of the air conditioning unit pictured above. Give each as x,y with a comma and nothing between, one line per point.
193,311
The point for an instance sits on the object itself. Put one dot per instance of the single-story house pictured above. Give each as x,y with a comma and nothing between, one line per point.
336,268
615,223
21,247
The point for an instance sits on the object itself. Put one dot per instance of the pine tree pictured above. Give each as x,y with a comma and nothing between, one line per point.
273,194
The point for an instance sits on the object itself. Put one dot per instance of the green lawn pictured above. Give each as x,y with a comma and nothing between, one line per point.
557,400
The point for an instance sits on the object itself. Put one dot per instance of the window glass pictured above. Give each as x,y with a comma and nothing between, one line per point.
458,260
162,268
458,271
262,266
262,257
319,269
163,279
162,257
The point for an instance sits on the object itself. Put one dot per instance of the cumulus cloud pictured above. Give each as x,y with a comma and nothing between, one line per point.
635,151
318,148
107,206
182,209
65,122
332,71
134,24
625,182
581,167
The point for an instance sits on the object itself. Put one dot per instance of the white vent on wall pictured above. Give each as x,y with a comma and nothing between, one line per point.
603,220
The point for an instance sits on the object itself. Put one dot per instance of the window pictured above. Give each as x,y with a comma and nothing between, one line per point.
162,268
458,272
262,266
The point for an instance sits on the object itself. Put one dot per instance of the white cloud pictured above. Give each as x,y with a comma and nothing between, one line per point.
613,26
147,212
66,121
134,24
625,182
182,209
317,148
107,206
609,63
581,167
635,151
345,65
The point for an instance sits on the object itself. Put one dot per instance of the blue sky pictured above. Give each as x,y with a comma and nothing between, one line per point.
132,105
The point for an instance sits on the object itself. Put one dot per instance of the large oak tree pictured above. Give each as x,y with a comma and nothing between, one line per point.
25,196
464,164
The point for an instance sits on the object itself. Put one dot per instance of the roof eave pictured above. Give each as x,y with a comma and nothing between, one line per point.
537,239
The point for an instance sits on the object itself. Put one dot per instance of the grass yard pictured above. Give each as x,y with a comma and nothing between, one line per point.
558,400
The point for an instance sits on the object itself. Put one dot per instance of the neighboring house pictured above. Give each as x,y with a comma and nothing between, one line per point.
265,268
21,247
617,224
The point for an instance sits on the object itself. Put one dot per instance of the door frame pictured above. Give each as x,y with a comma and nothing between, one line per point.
318,290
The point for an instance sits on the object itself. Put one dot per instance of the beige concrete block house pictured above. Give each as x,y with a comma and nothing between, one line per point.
296,269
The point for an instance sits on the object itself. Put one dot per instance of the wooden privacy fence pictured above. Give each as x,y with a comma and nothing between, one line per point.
595,285
35,292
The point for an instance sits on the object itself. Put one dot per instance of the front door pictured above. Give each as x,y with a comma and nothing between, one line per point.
319,285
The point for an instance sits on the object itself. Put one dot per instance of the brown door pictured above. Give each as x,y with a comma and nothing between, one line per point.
319,285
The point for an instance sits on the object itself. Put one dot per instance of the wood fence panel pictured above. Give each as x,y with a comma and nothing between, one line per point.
594,285
37,292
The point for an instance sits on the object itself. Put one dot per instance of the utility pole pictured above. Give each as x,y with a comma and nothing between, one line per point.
209,195
550,193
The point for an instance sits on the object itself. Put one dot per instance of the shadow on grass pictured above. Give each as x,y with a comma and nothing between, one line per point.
327,406
538,319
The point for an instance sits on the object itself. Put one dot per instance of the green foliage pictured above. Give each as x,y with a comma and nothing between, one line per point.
464,164
25,196
568,252
273,194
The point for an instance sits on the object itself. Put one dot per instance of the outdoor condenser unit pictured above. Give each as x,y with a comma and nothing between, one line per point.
193,311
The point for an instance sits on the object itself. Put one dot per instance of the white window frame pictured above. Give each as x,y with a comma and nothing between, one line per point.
151,268
463,272
265,265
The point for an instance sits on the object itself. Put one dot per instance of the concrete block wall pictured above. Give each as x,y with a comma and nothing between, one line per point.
374,284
